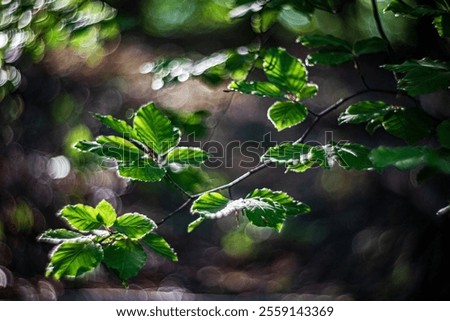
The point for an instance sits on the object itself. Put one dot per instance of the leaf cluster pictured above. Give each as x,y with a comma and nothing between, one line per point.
97,235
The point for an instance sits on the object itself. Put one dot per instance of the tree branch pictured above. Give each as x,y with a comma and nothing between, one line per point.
376,16
262,166
181,207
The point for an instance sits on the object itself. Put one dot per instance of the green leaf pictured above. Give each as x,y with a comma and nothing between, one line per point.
353,156
370,45
324,41
409,124
187,156
145,170
264,212
410,157
443,133
134,225
155,129
119,148
125,258
160,246
291,206
209,204
401,8
442,25
118,125
81,217
422,76
308,91
286,153
106,212
262,21
364,111
401,157
59,236
72,259
285,114
111,147
262,207
193,225
258,88
285,71
329,58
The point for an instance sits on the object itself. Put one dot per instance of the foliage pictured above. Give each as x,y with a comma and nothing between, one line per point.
32,27
97,235
147,149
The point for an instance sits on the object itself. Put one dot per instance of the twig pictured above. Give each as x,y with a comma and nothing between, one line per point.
178,187
181,207
376,16
361,75
262,166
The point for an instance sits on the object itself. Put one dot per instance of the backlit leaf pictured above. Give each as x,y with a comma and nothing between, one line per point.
192,156
155,129
285,114
160,246
72,259
125,258
81,217
134,225
258,88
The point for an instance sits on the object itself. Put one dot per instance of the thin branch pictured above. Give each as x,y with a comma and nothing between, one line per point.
264,165
224,111
235,181
361,75
376,16
181,207
178,187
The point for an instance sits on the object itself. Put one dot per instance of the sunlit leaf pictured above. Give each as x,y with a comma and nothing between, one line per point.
291,206
160,246
284,71
134,225
106,212
209,204
192,156
111,147
155,129
145,170
72,259
258,88
264,20
193,225
286,153
118,125
59,236
81,217
285,114
125,258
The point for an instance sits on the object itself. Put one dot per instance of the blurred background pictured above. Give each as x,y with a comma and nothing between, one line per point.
369,236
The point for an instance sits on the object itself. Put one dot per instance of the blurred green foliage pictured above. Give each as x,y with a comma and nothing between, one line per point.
32,26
